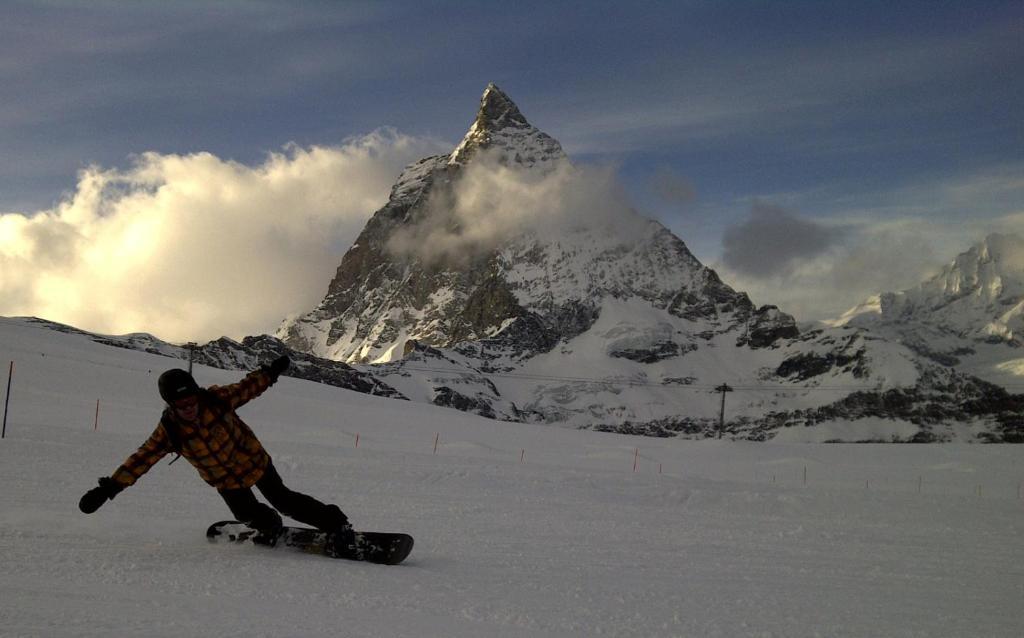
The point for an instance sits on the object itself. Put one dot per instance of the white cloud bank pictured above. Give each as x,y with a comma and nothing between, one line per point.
492,201
195,247
819,267
872,257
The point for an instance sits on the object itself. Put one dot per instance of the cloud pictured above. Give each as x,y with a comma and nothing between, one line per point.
192,247
875,256
886,241
883,261
491,202
774,241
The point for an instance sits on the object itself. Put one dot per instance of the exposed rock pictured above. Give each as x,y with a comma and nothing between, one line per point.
767,326
445,396
656,352
809,365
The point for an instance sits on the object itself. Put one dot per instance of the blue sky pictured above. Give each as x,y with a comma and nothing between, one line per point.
877,139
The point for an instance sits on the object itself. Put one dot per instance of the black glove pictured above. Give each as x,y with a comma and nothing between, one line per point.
278,365
97,496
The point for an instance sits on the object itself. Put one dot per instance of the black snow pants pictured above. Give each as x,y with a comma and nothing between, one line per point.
303,508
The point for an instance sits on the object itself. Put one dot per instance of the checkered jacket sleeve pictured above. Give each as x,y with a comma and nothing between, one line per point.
155,448
238,394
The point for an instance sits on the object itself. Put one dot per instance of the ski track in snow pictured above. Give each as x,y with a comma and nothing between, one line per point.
726,541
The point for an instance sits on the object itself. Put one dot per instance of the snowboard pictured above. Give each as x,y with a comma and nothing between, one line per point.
372,547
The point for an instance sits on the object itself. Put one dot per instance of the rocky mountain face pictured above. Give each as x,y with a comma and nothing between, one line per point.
529,291
591,316
969,316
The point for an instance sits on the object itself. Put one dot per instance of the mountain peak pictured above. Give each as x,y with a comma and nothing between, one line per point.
498,111
1007,250
986,269
501,126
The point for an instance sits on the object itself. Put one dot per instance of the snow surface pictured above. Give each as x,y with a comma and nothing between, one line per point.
522,530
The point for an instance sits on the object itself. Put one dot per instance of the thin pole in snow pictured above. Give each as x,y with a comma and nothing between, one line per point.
7,401
636,458
357,439
96,423
437,437
721,419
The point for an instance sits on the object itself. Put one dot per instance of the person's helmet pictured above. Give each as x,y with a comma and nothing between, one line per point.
176,384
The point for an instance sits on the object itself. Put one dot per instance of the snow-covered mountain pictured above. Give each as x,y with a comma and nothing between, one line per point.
532,288
502,280
495,282
970,315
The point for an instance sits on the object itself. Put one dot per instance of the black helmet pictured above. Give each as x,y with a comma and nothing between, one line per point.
177,384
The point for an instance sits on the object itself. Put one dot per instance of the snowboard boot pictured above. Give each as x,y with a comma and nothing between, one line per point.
341,538
269,525
342,543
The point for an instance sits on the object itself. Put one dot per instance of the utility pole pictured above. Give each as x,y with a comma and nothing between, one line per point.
721,419
191,345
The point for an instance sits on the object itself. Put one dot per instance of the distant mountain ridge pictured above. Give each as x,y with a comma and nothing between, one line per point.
970,315
227,354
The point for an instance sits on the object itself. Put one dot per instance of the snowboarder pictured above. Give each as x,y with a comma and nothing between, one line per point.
202,425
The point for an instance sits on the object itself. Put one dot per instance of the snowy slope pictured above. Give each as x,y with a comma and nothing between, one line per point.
522,530
639,369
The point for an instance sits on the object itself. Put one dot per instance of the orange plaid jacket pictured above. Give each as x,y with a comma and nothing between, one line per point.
221,446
